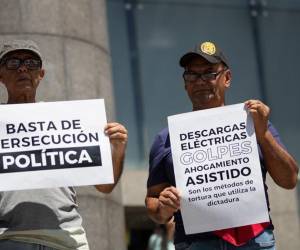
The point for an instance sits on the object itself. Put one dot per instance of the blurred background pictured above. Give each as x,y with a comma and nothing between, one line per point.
127,51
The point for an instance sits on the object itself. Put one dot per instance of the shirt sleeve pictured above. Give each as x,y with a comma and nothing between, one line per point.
275,134
157,174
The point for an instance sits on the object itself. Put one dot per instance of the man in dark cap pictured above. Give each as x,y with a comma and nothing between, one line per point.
43,218
207,77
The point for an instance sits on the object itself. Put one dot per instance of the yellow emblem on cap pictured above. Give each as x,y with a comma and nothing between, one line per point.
208,48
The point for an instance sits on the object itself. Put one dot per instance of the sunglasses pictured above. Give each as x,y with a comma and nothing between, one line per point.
190,76
15,63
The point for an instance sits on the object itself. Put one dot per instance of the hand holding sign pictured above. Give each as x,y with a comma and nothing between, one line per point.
117,134
70,143
260,114
169,202
217,167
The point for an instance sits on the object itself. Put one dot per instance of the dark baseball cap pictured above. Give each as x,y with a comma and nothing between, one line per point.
14,45
208,50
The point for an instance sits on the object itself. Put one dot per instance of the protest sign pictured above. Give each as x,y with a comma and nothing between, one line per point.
54,144
217,169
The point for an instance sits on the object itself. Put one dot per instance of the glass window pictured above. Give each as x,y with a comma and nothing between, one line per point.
148,37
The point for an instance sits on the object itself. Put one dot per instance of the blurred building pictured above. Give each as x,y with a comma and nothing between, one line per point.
261,40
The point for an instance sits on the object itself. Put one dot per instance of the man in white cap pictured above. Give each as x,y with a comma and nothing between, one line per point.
45,218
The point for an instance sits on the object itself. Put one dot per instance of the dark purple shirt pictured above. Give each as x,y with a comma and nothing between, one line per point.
161,171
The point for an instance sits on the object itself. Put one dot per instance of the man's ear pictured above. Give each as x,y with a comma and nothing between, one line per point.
228,78
42,74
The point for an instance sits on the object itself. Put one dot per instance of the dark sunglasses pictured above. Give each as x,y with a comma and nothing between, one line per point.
15,63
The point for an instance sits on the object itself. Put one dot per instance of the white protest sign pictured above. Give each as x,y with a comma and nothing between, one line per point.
54,144
217,169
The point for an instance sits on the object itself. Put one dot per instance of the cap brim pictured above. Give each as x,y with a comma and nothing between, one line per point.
185,59
30,50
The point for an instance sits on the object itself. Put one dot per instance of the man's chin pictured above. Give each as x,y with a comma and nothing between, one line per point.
205,98
205,103
24,91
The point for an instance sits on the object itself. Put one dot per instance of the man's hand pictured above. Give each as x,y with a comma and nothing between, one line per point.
169,202
281,166
162,201
260,114
117,135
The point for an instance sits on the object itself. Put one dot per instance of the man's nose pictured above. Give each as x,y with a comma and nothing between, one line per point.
22,68
200,81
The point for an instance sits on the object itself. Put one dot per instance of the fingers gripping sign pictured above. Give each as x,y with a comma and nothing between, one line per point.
169,202
260,114
117,134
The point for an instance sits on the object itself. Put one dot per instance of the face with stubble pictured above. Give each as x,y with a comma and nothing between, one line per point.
206,83
21,73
